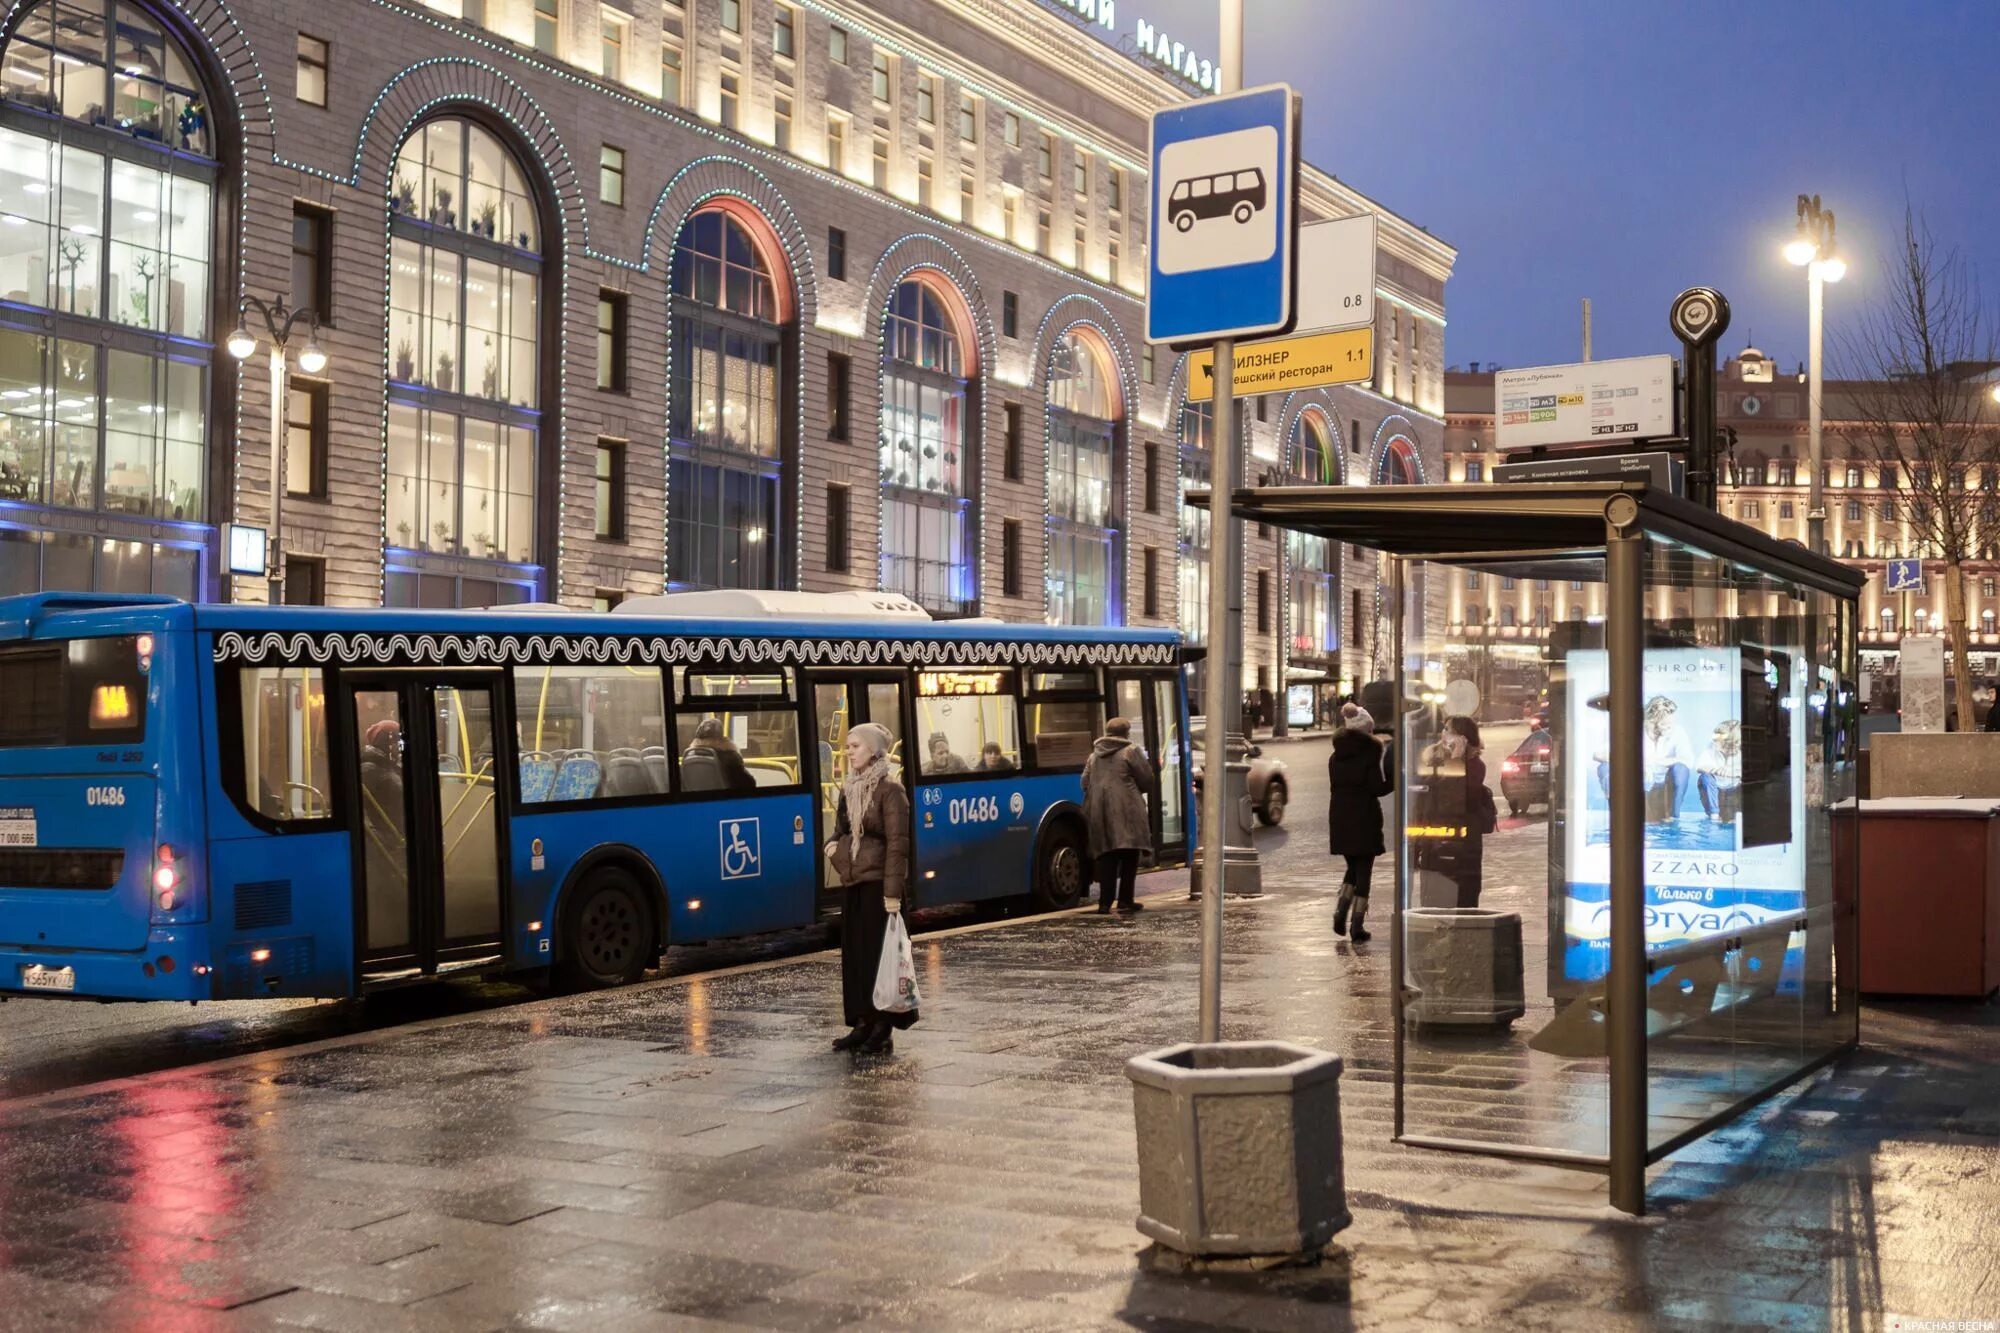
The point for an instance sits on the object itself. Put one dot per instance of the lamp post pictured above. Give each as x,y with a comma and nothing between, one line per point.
279,323
1812,249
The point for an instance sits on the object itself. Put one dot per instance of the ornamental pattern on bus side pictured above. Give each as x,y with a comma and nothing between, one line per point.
625,649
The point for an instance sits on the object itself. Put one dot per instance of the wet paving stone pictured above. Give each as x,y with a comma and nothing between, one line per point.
689,1155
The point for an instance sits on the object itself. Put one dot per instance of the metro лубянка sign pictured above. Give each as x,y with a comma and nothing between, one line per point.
1223,226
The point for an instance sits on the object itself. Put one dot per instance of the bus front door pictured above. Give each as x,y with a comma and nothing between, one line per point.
1151,702
428,834
842,699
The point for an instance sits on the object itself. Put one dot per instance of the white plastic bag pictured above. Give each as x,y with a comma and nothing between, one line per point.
896,975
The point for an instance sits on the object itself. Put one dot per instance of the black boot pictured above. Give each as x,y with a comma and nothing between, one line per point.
1357,934
1340,909
878,1041
1103,904
855,1036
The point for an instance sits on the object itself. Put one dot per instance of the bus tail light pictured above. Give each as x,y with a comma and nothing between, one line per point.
172,894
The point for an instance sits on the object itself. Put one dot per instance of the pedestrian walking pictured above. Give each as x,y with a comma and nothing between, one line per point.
1117,782
1356,783
871,853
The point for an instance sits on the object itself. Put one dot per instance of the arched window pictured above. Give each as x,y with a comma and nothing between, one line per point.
1085,497
1315,596
108,183
1197,463
1398,464
927,448
726,465
465,372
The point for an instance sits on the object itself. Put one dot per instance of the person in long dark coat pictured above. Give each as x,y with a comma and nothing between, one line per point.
1118,780
870,851
1356,784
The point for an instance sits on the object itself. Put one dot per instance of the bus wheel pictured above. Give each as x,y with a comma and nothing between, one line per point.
608,930
1183,221
1243,211
1061,871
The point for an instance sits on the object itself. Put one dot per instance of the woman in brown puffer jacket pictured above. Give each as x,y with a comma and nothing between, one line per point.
871,853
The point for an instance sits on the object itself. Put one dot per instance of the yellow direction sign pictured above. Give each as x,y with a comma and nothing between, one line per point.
1279,365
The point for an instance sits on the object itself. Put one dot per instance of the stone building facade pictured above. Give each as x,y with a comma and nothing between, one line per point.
626,295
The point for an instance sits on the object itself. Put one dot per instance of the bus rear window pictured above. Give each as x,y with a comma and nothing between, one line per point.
82,692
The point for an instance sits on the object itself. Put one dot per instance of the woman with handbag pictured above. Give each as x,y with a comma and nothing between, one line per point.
871,853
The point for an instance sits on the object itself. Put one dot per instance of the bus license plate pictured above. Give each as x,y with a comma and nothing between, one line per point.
36,977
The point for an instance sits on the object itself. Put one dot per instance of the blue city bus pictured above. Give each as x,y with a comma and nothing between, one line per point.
219,802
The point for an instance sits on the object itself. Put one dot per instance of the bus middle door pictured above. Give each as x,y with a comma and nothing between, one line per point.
840,700
429,823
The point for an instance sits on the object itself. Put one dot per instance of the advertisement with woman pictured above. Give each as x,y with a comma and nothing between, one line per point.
1724,812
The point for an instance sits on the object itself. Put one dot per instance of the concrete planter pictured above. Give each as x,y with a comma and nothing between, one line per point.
1239,1147
1463,966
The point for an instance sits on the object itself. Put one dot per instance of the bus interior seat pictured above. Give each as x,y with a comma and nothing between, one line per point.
538,776
700,772
625,775
578,777
654,757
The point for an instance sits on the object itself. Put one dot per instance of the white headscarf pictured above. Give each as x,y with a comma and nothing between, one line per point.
858,792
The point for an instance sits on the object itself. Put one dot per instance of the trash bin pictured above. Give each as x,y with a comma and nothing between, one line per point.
1239,1147
1463,966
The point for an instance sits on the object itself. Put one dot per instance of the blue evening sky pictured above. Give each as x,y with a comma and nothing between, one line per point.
1623,151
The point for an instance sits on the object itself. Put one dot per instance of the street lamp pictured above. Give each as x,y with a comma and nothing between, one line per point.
279,324
1812,249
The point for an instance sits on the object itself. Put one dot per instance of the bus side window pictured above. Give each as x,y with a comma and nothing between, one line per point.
590,732
967,722
285,770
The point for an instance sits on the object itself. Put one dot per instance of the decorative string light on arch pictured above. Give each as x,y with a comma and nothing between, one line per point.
1106,328
982,331
1394,425
687,121
226,51
431,109
791,238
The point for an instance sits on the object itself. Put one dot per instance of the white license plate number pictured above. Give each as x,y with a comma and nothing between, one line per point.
36,977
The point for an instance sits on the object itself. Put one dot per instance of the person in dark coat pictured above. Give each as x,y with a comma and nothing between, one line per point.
870,852
1356,784
710,739
1457,772
1117,782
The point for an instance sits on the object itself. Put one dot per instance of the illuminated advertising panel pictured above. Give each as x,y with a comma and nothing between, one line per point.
1723,766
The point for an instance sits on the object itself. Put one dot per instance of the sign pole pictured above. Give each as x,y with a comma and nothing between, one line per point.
1220,738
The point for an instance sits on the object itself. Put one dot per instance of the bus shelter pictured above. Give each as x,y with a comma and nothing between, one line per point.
1637,930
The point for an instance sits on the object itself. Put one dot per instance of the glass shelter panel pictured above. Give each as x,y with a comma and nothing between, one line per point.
1488,1055
1749,723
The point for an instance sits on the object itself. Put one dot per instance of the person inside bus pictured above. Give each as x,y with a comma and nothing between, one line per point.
713,763
992,759
382,815
870,852
941,759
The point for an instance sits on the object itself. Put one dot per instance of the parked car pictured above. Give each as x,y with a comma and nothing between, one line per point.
1524,774
1269,786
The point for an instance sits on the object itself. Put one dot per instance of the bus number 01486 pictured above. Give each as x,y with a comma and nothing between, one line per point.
974,809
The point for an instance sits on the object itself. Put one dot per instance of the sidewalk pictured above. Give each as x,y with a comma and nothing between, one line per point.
689,1155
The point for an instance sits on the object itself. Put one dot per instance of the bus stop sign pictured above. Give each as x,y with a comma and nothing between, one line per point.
1224,219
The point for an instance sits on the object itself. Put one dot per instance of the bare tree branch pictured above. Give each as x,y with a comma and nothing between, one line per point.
1916,403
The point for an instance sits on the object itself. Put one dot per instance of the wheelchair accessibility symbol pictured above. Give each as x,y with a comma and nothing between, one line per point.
742,849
